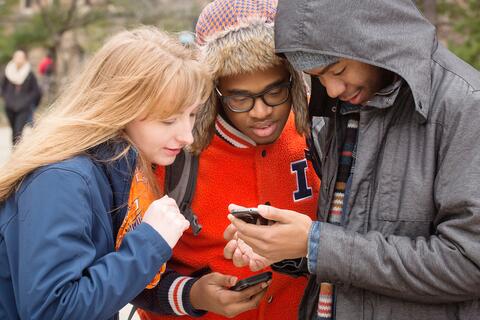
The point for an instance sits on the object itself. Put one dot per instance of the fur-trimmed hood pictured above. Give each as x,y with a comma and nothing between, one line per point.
245,46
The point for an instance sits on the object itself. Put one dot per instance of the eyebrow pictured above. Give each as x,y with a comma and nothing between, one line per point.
321,73
271,85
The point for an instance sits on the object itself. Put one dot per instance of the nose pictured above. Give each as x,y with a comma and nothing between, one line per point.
335,87
185,135
260,110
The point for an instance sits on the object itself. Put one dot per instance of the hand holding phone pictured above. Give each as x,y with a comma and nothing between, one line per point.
249,215
211,292
251,281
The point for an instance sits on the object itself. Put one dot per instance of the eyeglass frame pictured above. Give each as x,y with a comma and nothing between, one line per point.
261,95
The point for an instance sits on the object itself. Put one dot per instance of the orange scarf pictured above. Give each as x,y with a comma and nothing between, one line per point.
140,198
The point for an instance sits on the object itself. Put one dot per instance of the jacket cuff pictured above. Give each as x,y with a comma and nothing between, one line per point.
337,253
178,297
313,246
154,247
292,267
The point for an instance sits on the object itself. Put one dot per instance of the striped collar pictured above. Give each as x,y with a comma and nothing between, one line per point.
231,135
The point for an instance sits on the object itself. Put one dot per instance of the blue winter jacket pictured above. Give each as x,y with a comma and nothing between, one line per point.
57,236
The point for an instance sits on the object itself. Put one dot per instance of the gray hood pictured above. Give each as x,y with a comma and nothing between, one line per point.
392,35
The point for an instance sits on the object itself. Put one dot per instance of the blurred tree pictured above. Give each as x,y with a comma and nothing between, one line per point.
71,28
53,19
174,16
6,45
459,24
45,24
464,15
430,10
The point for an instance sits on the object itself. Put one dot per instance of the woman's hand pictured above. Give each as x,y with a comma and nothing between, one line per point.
211,293
165,217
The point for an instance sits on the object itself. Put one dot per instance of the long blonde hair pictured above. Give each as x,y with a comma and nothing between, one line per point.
136,73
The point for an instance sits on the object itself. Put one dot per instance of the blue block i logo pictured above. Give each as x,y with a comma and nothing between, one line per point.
303,190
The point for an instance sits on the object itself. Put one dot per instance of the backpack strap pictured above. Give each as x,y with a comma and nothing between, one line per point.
180,183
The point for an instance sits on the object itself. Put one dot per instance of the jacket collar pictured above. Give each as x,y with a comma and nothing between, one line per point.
232,135
119,170
386,97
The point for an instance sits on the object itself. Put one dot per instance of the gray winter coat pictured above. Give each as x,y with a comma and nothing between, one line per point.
410,246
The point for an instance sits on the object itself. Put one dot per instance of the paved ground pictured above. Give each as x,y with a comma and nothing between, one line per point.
5,146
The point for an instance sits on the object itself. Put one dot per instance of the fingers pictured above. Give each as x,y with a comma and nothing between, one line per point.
240,259
211,293
275,214
246,228
256,265
166,200
248,293
186,224
172,205
233,206
244,248
165,217
250,298
269,212
257,244
222,280
229,232
251,258
229,249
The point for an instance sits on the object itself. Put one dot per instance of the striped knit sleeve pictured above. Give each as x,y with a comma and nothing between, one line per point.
170,297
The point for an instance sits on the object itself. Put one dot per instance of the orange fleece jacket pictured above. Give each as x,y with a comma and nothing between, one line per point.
265,174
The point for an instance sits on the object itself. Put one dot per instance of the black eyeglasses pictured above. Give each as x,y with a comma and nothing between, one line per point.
272,97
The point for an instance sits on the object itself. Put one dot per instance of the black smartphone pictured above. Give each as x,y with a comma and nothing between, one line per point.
249,215
251,281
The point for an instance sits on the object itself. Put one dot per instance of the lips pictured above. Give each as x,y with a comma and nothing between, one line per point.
172,151
264,129
353,99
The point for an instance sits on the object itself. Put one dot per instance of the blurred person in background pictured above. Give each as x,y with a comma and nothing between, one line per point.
21,93
46,70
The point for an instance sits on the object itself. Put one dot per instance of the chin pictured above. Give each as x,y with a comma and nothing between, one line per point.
164,161
266,140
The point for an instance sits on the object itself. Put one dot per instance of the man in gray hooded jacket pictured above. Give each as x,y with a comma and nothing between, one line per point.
398,230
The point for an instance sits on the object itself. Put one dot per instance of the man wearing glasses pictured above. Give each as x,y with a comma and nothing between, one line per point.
256,156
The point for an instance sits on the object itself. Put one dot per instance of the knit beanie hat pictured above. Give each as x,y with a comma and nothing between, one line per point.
236,37
307,61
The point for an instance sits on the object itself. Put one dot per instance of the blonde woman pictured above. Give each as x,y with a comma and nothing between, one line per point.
65,191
